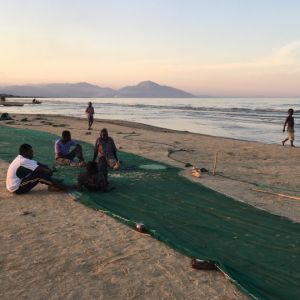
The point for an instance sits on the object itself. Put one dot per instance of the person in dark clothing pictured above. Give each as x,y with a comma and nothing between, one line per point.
108,149
24,173
289,122
93,179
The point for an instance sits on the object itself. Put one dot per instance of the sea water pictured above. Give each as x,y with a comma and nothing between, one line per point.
253,119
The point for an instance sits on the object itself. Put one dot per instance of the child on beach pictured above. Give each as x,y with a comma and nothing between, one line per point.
93,179
290,127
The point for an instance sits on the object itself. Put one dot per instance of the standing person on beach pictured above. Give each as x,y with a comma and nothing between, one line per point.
90,114
290,127
105,146
24,173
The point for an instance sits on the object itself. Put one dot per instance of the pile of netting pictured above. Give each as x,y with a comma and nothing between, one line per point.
259,251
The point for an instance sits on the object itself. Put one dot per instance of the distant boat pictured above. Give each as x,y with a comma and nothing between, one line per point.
5,103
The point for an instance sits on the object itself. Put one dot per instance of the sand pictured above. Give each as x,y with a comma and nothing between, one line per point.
54,248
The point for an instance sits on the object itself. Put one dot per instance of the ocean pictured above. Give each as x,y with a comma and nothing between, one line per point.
253,119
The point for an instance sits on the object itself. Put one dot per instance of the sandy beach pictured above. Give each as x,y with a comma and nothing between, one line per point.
55,248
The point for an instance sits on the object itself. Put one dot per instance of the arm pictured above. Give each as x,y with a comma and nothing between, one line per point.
115,150
44,169
285,124
95,150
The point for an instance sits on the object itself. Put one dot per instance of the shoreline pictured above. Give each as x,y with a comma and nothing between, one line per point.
67,250
137,125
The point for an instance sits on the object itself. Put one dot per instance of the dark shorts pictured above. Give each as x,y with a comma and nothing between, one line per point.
30,181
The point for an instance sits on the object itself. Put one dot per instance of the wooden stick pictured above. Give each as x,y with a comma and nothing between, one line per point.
215,163
277,194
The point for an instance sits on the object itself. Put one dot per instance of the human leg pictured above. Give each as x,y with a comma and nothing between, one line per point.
29,182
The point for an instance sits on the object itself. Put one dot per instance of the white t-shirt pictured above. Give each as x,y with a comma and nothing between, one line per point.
14,173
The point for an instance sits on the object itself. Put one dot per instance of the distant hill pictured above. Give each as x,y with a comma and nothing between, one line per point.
145,89
59,90
150,89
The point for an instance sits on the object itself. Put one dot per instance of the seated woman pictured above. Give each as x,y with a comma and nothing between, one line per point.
63,153
93,179
108,149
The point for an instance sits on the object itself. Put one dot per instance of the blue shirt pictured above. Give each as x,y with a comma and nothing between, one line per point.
61,148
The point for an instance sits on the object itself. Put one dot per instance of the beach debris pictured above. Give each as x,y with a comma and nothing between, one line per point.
5,117
27,212
59,125
196,172
200,264
187,165
277,194
120,147
140,227
203,170
88,133
24,120
215,163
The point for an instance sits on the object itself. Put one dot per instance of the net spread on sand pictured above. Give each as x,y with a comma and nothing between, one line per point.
259,251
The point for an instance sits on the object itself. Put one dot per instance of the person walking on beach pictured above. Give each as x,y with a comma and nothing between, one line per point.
90,114
289,122
24,173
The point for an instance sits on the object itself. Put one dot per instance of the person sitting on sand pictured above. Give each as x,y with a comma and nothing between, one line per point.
108,149
24,173
290,127
90,115
63,154
93,179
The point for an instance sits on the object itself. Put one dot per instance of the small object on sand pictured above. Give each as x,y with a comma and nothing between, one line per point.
196,172
140,227
215,163
187,165
120,147
26,213
24,120
203,170
88,133
203,264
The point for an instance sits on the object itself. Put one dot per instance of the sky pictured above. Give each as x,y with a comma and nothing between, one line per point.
206,47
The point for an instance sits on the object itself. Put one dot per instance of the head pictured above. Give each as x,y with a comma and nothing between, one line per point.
66,136
91,167
90,104
290,112
104,134
26,151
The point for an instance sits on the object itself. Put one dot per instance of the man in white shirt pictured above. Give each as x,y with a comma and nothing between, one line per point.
24,173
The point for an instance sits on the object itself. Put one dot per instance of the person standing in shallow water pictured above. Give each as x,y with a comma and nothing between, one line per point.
289,122
90,114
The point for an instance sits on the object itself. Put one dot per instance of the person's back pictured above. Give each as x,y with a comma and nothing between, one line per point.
92,179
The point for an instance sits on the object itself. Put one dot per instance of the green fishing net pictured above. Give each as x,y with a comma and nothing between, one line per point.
259,251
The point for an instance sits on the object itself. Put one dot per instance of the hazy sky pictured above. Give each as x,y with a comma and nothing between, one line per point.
223,47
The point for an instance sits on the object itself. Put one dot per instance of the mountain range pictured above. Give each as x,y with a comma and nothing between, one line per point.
145,89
